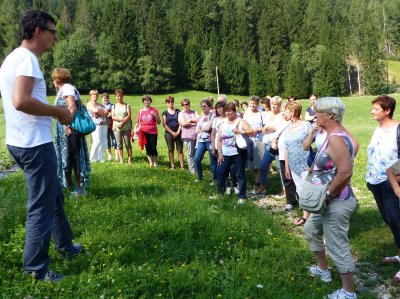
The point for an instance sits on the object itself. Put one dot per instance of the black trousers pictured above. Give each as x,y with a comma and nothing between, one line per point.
290,187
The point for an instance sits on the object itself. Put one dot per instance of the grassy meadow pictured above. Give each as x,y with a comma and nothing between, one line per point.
153,233
394,70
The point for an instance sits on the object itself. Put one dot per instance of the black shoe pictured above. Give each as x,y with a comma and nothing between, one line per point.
47,276
73,251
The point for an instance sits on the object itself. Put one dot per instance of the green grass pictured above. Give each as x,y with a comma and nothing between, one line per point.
394,70
152,232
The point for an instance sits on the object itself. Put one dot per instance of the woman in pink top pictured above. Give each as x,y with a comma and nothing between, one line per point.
148,118
188,120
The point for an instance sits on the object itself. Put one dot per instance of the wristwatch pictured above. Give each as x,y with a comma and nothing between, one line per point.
328,195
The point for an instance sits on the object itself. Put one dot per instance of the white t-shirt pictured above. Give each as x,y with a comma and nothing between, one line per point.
382,153
216,123
256,121
67,90
24,130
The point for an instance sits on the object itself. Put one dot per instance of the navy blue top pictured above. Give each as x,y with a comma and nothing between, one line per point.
172,119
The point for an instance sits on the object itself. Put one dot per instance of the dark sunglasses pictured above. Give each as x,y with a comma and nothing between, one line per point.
169,102
185,104
54,32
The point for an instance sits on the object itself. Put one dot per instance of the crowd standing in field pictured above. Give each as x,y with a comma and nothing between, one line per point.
264,131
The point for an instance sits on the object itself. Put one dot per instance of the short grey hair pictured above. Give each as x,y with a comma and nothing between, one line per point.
331,105
222,98
276,99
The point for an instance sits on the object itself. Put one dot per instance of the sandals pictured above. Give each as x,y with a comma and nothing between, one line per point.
392,260
396,278
259,192
300,221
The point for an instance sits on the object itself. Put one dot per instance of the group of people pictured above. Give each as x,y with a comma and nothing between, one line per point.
263,132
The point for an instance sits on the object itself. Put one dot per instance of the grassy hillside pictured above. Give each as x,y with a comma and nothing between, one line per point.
394,70
153,233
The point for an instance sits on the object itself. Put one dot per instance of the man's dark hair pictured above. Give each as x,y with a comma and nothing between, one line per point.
32,19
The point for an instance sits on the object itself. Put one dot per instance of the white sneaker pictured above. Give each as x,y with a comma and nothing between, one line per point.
214,197
228,190
324,275
241,201
236,189
341,294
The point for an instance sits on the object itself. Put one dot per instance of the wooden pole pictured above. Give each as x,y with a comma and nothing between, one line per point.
216,74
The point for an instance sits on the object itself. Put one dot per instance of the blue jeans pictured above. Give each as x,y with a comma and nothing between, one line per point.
202,147
110,141
45,208
239,162
265,164
388,205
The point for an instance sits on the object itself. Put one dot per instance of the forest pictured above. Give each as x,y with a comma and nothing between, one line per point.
286,47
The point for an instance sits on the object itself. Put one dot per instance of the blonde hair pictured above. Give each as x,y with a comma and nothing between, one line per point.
93,91
61,75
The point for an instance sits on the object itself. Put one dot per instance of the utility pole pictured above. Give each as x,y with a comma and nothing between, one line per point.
216,74
386,47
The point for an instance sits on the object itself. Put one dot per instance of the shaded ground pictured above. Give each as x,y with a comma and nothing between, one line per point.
367,280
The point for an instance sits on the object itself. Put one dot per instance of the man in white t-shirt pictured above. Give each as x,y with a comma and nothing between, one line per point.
29,140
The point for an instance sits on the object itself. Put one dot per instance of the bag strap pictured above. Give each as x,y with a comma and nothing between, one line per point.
316,155
398,141
280,133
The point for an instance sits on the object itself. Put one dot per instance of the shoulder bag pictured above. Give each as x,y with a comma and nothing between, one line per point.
312,197
135,134
275,151
240,141
82,121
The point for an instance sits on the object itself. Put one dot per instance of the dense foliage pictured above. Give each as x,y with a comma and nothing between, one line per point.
335,47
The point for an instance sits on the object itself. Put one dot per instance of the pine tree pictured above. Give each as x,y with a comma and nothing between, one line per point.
296,82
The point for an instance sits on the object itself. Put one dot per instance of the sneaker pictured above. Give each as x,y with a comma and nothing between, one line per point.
74,251
280,195
324,275
241,201
258,191
289,207
236,189
214,197
48,276
342,294
228,190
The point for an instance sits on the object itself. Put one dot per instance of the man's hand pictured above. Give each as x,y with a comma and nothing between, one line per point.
63,115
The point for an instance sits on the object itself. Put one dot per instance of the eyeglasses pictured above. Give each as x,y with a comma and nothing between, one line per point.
54,32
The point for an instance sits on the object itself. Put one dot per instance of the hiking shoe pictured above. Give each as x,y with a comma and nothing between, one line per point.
324,275
289,207
228,190
342,294
73,251
47,276
241,201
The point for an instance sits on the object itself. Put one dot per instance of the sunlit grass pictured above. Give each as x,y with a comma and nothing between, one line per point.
152,232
